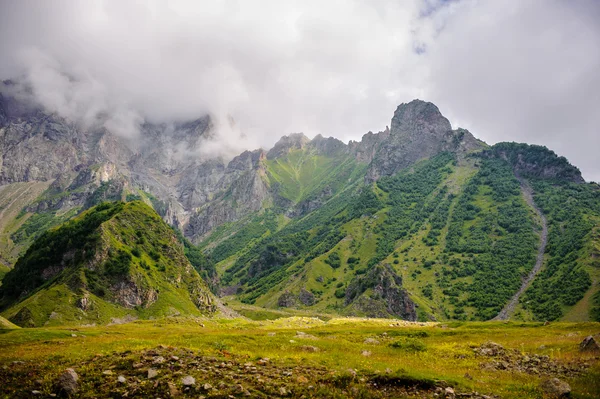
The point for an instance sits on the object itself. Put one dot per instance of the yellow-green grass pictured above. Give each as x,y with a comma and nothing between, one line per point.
6,325
448,355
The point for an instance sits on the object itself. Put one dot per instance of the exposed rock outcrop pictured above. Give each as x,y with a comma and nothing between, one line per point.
379,293
418,131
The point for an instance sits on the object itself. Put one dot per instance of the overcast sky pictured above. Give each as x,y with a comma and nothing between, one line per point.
509,70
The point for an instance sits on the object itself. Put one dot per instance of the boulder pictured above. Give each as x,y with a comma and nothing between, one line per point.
555,388
67,383
589,344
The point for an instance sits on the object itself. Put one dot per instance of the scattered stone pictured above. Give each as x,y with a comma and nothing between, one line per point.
366,353
449,393
490,349
152,373
207,387
158,360
371,341
271,334
283,391
555,388
263,362
107,372
308,348
302,379
352,372
34,392
514,360
73,335
121,379
188,381
589,344
67,382
175,358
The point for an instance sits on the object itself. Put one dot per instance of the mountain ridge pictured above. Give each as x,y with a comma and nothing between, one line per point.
429,213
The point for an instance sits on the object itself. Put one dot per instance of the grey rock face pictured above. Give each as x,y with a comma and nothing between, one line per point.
389,298
589,344
288,143
197,194
555,388
67,382
418,131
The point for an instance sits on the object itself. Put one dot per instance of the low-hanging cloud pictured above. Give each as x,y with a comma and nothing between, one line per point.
510,70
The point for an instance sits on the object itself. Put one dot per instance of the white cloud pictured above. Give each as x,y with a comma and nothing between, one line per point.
509,70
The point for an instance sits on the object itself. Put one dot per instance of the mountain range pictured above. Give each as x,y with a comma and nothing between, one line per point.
418,221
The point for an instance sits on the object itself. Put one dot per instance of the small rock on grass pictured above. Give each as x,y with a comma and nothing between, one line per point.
152,373
589,344
188,381
67,382
555,388
121,379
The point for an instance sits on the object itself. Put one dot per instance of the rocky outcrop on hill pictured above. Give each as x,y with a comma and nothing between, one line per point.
418,131
379,293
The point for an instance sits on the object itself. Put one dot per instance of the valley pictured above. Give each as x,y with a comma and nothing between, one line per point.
417,262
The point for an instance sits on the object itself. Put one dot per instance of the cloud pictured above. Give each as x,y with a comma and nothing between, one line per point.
507,70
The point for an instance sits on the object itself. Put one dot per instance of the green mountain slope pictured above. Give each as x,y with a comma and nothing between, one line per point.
454,234
116,260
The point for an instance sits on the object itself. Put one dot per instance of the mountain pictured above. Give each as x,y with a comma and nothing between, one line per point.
114,261
417,221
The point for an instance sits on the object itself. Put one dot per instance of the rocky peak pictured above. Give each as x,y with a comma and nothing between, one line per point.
329,146
418,131
418,118
288,143
247,160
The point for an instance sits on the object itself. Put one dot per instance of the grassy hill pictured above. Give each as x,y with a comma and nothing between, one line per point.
457,232
114,261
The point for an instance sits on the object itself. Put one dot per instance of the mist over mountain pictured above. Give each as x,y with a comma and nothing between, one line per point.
334,69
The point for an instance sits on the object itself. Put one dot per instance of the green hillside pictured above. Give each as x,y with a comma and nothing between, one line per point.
457,233
114,261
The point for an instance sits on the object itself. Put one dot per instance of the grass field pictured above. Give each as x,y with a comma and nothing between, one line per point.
307,357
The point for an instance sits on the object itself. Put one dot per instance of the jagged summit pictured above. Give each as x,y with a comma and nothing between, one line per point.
287,143
418,118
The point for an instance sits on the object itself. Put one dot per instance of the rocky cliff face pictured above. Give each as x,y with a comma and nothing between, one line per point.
195,193
379,293
418,131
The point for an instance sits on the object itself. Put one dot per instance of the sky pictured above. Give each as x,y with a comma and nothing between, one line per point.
510,70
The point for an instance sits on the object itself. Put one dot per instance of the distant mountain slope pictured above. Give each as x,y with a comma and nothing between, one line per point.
456,231
418,220
116,260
